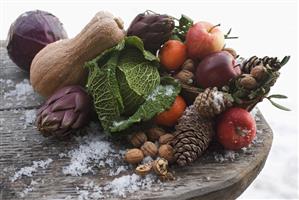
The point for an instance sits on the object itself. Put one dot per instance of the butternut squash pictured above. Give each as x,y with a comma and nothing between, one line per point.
61,63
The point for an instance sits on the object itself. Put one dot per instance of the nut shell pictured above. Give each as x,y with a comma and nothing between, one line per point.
134,156
143,170
138,139
189,65
149,149
231,51
160,166
166,151
165,139
153,134
185,76
248,82
258,72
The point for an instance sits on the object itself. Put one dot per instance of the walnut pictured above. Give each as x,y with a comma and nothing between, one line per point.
166,151
165,139
231,51
248,82
188,65
144,169
138,139
258,72
160,166
155,133
134,156
185,76
149,149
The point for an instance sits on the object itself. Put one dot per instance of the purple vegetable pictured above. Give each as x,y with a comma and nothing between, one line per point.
31,32
67,110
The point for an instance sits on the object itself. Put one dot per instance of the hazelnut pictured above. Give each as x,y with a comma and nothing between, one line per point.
188,65
149,149
134,156
165,139
144,169
231,51
138,139
248,82
153,134
185,76
166,151
258,72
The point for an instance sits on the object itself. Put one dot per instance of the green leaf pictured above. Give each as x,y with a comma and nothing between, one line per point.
121,78
277,96
180,31
103,87
279,106
136,42
160,99
285,60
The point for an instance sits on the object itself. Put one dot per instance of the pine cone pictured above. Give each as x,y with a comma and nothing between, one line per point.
264,71
270,62
192,136
212,102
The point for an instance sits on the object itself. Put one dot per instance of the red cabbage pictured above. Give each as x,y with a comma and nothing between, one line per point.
31,32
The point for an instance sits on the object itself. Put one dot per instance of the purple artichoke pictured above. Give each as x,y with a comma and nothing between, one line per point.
67,110
153,29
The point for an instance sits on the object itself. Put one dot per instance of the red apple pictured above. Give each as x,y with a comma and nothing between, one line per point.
202,39
236,128
216,70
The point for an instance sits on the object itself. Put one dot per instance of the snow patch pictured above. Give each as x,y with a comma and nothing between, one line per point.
28,171
20,91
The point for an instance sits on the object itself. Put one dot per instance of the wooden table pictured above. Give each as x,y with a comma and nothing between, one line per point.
21,144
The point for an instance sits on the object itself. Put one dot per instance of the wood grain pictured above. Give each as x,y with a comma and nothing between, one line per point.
21,144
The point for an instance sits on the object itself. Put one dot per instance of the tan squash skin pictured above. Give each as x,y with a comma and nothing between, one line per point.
61,63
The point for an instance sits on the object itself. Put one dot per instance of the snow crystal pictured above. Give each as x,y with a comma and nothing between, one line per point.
169,90
118,187
147,159
27,171
93,151
226,156
28,189
218,99
254,113
118,170
21,90
8,82
30,116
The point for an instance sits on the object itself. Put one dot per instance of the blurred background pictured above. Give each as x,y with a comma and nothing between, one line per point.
263,27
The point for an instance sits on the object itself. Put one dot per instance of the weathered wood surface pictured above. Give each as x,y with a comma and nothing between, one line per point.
21,144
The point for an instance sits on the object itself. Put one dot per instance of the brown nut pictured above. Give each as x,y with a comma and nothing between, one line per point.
134,156
188,65
166,151
149,149
138,139
153,134
160,166
248,82
168,177
143,170
165,139
231,51
185,76
258,72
